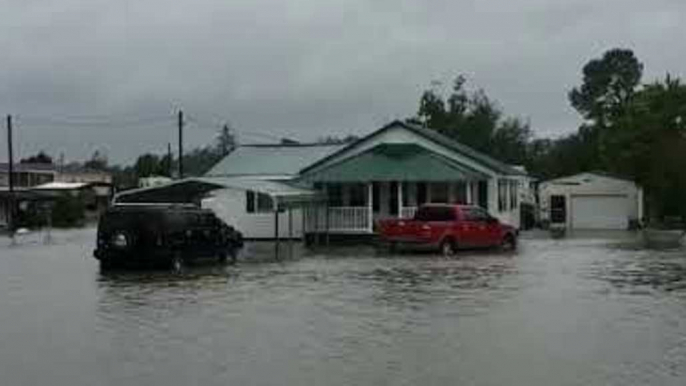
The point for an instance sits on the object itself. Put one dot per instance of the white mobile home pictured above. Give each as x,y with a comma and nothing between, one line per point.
593,200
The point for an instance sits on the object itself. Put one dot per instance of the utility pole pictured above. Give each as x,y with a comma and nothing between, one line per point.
169,160
10,155
180,144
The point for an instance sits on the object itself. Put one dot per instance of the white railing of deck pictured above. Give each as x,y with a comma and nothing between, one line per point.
341,219
408,212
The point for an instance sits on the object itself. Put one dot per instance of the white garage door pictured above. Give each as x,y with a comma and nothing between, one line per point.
600,212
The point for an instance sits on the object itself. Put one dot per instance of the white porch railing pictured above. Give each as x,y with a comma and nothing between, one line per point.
340,219
408,211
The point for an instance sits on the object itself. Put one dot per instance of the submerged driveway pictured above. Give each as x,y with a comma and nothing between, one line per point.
593,309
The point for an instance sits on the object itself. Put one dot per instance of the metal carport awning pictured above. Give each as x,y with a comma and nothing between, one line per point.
191,190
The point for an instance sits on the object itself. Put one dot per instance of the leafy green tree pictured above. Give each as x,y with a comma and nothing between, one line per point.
98,161
469,117
648,143
608,85
40,158
149,165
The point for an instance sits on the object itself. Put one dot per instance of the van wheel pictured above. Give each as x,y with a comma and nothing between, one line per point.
228,256
392,247
177,263
448,247
509,243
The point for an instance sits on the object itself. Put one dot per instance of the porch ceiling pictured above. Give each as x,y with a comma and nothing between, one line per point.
395,162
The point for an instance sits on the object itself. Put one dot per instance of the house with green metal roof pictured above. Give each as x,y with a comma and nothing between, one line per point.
295,190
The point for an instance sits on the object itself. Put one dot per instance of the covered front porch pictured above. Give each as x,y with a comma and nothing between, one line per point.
388,180
354,208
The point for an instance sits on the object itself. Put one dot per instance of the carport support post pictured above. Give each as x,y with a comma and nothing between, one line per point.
470,199
327,223
290,230
276,230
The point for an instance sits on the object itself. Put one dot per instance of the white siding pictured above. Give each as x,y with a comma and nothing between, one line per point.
230,206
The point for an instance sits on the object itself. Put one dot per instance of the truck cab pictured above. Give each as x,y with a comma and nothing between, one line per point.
449,227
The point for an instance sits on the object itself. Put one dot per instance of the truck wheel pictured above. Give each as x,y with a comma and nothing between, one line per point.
509,243
392,247
448,247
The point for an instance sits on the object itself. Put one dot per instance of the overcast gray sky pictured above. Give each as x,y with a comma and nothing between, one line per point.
87,74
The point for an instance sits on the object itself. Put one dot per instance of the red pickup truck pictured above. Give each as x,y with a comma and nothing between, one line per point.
449,227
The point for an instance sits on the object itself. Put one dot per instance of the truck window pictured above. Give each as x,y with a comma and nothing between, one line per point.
435,213
475,214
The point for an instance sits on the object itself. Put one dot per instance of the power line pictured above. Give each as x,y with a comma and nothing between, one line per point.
87,122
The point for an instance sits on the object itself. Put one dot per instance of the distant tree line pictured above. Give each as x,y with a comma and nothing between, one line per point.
632,129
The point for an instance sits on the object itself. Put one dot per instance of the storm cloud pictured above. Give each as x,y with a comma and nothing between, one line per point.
81,75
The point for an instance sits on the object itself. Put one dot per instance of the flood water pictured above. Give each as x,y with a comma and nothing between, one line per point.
579,311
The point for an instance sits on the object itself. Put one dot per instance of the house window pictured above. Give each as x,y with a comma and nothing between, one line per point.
376,199
502,195
408,193
258,202
460,193
420,192
439,192
335,193
514,191
250,201
264,203
358,194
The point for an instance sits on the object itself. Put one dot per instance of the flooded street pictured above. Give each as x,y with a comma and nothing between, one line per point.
580,311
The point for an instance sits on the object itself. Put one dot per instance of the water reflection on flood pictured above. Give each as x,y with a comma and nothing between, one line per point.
581,310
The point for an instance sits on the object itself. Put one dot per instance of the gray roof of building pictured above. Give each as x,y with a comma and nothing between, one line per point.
272,160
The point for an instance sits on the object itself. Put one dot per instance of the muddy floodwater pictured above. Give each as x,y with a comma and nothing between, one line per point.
579,311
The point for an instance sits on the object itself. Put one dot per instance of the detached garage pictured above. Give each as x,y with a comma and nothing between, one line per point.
593,200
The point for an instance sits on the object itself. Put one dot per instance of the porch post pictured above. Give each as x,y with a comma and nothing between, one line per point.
370,207
469,192
428,192
400,199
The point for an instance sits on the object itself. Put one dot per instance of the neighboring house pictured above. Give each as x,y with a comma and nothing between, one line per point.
344,189
27,175
95,196
77,173
593,200
34,183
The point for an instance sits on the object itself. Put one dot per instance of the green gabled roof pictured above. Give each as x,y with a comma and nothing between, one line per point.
434,136
394,162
